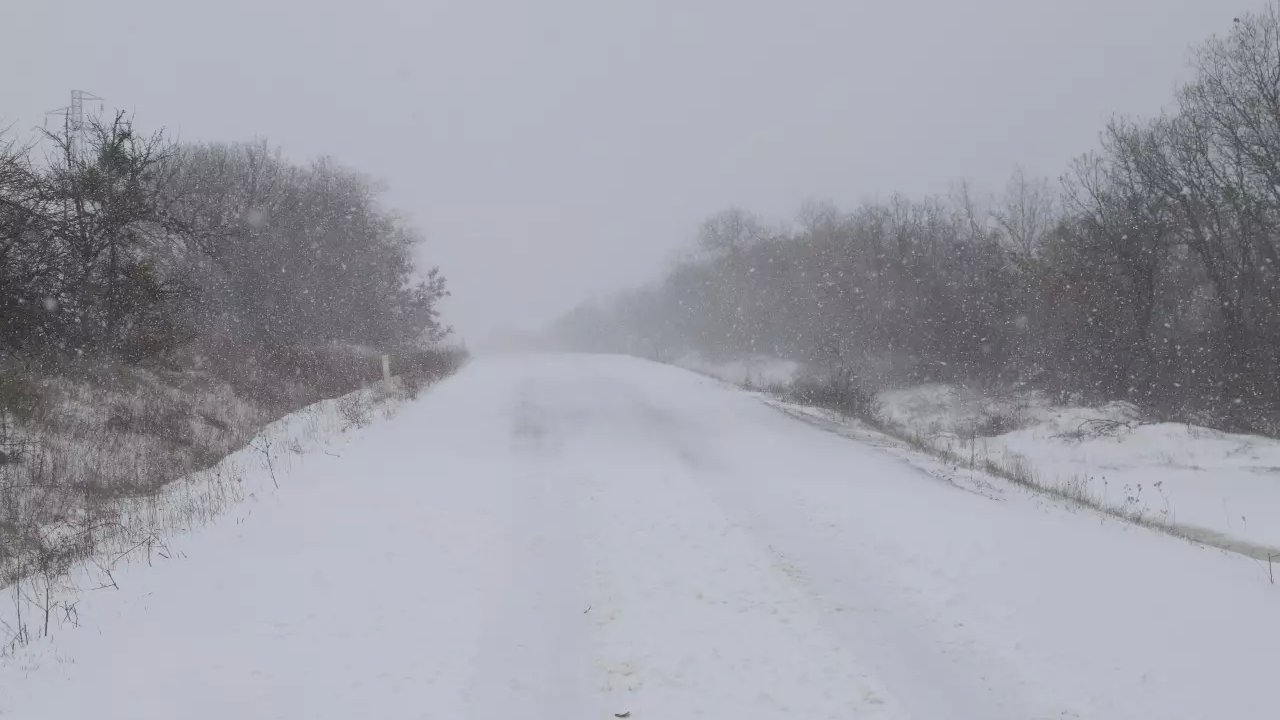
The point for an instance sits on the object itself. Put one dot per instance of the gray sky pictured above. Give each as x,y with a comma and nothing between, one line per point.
555,149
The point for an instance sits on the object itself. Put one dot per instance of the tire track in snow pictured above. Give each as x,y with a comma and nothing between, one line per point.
690,617
533,660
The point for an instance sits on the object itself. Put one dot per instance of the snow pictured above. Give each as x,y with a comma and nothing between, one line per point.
584,536
1217,486
761,371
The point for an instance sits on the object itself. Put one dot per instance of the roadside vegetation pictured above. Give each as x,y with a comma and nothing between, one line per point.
1148,273
161,303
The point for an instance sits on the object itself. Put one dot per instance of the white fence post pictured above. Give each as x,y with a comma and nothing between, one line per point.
386,371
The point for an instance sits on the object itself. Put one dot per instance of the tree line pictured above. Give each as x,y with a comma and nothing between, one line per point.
121,244
1149,272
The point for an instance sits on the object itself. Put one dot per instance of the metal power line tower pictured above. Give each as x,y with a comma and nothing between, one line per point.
73,115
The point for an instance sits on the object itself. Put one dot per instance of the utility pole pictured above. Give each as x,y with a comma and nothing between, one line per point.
73,116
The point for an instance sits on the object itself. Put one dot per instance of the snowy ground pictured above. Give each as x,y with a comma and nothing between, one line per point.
1225,486
761,371
1219,487
583,537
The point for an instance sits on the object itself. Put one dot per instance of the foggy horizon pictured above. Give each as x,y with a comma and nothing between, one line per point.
557,153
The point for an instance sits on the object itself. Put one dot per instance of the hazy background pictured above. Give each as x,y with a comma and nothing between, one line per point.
553,150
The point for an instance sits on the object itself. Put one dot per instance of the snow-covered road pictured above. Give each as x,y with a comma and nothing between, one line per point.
556,537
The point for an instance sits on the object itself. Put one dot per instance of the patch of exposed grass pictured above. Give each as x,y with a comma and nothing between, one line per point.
100,446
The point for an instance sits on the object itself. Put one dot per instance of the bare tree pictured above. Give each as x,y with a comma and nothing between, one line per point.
1026,214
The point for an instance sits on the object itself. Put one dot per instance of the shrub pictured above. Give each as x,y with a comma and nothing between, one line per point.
998,422
428,364
841,392
354,409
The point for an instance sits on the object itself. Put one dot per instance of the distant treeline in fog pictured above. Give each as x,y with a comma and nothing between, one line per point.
1150,271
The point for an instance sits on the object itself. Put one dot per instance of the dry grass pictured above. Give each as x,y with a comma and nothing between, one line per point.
964,452
355,410
1074,491
87,448
91,456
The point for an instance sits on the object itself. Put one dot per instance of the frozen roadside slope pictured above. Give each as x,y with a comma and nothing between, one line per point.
575,536
1219,486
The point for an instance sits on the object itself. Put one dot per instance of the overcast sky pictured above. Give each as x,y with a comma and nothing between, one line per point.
556,149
